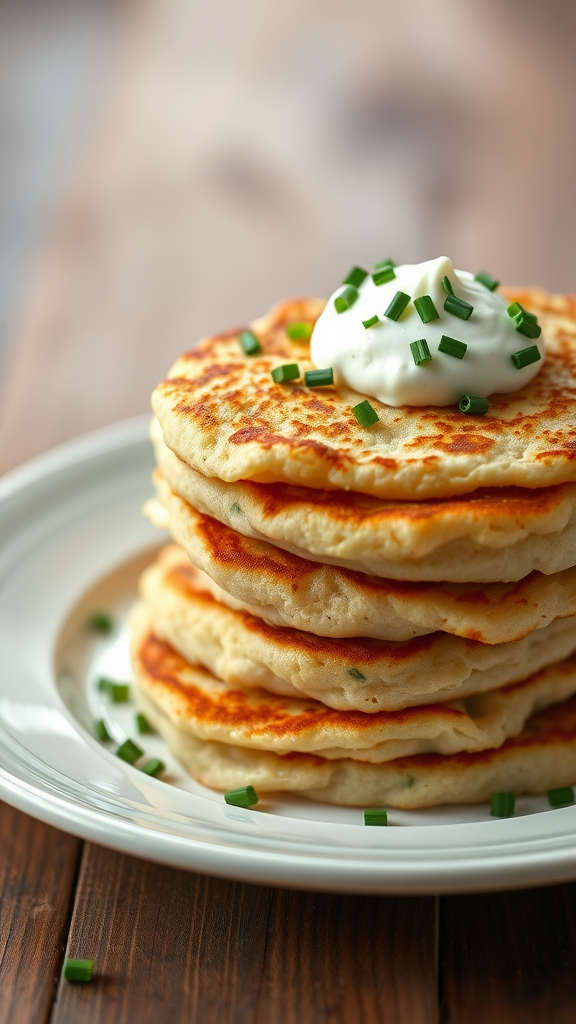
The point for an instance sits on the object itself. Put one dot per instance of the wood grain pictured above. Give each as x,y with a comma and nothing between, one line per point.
175,947
168,946
509,958
342,959
37,874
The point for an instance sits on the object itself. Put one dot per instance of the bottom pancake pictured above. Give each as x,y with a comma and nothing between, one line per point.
542,757
228,737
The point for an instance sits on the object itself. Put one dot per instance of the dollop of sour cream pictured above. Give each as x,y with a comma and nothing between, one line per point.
378,361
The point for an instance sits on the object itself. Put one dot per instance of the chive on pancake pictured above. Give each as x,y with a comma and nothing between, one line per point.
224,416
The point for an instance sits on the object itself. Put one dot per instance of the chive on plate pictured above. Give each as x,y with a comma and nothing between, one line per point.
502,805
561,797
129,752
119,693
245,796
101,622
375,816
154,767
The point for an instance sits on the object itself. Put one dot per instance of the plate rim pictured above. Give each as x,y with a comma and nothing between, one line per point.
481,872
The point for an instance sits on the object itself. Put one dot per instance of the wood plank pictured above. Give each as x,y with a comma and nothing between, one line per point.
37,873
173,946
508,958
168,945
338,959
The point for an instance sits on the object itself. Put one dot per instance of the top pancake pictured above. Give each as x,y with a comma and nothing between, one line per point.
223,415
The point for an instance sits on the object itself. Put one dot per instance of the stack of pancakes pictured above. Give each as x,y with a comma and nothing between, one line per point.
368,616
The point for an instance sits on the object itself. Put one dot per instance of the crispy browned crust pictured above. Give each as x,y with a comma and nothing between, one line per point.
555,726
261,713
230,550
230,402
187,580
258,711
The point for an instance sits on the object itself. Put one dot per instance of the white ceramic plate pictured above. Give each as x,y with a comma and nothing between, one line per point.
73,541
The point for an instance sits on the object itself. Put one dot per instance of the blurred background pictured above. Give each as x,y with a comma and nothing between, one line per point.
169,168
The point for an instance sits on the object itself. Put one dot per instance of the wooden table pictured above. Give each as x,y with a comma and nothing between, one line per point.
175,947
101,321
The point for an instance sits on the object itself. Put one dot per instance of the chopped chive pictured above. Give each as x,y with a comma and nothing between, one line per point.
235,507
356,673
345,299
502,805
526,323
397,306
285,373
319,378
458,307
142,724
383,275
299,331
365,414
246,796
420,352
515,309
129,751
527,327
249,343
154,767
78,970
355,276
561,797
384,263
452,347
474,405
447,286
376,816
101,622
487,280
525,356
119,693
426,309
370,323
101,731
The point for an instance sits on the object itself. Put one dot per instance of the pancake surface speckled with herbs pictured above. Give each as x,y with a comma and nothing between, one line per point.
286,590
222,414
207,707
224,736
347,674
491,535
